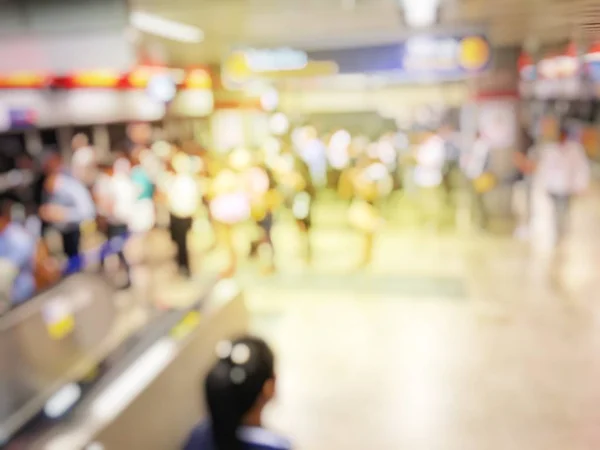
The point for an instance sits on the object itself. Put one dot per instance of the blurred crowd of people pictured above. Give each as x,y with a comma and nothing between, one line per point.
146,182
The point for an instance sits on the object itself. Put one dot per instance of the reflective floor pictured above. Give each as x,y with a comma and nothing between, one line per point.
457,341
449,340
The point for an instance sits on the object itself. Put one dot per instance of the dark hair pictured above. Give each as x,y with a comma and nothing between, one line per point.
564,132
5,203
234,385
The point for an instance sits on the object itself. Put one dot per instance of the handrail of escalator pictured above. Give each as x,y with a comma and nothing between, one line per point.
125,353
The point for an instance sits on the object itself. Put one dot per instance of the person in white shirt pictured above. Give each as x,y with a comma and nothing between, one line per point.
428,175
116,195
563,171
83,161
183,200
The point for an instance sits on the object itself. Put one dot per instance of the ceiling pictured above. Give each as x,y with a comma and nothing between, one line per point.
314,24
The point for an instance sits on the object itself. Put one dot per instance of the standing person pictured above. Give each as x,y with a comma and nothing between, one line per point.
69,206
50,163
263,202
229,206
475,164
370,180
116,195
237,389
525,161
183,200
564,172
297,185
451,165
314,153
428,176
83,161
17,255
144,216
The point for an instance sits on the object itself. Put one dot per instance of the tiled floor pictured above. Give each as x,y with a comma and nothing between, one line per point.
447,342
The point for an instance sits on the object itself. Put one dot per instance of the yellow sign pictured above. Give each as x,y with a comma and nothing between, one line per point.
186,325
59,318
236,69
474,53
62,327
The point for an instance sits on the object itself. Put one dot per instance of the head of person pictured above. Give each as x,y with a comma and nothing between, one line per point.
445,130
122,165
238,387
51,162
181,163
564,134
80,140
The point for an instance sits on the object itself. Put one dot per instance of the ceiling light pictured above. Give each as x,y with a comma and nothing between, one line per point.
151,24
420,13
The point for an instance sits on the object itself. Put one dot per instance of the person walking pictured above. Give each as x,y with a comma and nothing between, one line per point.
475,165
17,254
430,157
183,200
525,161
116,195
564,172
68,207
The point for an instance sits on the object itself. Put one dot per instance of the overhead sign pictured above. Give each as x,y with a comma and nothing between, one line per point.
245,66
421,57
11,118
275,60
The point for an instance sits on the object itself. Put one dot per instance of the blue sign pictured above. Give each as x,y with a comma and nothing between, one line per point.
417,58
16,118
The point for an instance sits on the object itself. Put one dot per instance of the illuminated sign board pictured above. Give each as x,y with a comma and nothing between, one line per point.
242,66
275,60
421,57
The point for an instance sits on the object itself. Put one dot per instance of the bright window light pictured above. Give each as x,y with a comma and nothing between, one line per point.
420,13
151,24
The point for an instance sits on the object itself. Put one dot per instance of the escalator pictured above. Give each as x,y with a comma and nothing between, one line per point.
75,362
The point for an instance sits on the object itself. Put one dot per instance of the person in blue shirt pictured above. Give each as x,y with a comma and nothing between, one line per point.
69,205
17,253
237,389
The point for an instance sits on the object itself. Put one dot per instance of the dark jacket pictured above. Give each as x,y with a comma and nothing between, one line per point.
253,438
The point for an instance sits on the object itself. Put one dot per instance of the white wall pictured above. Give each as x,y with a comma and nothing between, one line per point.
60,36
84,106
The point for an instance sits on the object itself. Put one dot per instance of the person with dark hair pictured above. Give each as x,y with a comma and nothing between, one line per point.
264,199
68,207
525,160
183,198
237,389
